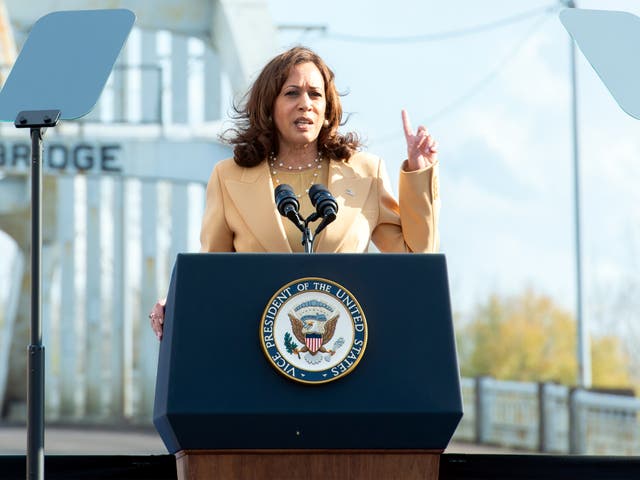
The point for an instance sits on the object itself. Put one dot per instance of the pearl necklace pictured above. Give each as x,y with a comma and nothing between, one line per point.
272,164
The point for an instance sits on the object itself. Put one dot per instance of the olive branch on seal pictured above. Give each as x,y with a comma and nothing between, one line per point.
290,345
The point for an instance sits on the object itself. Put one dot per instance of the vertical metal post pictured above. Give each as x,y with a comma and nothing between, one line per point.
577,431
35,363
542,417
180,62
117,308
482,405
583,343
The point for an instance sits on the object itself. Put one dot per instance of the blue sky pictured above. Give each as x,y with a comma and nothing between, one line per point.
507,218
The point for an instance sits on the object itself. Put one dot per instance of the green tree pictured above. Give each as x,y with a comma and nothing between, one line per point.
528,337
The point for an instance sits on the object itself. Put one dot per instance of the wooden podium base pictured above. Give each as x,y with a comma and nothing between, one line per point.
308,464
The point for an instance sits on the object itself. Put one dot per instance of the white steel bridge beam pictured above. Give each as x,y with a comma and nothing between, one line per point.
240,30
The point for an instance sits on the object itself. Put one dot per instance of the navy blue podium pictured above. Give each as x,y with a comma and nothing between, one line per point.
224,410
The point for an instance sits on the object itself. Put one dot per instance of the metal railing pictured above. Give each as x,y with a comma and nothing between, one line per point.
548,418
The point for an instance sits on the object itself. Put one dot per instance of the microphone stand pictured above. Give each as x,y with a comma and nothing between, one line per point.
288,206
307,236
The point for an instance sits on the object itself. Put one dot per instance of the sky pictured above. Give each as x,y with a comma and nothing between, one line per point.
499,103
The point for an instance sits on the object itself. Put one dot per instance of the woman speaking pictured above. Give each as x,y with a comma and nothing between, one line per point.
286,132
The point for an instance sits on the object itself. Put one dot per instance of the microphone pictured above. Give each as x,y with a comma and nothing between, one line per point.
323,201
288,205
326,205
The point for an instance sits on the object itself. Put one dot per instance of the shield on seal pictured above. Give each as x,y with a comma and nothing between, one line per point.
313,341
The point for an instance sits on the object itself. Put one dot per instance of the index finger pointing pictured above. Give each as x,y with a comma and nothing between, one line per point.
406,123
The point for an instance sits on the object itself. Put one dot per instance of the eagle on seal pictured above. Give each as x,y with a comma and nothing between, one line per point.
314,332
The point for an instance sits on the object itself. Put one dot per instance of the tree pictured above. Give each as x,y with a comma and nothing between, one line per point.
528,337
615,305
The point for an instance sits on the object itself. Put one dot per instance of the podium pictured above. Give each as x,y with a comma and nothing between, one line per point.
225,410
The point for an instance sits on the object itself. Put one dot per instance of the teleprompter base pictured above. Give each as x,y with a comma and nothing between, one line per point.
310,464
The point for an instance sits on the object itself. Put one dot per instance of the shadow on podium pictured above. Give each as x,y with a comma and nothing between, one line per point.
452,466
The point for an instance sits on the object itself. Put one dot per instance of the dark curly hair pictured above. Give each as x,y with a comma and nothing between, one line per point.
255,136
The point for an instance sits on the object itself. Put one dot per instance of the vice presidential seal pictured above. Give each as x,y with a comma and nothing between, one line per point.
313,331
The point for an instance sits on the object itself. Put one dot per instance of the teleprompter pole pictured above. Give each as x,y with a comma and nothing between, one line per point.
36,121
35,364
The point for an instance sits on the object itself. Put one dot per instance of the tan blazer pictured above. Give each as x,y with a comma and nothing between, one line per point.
240,213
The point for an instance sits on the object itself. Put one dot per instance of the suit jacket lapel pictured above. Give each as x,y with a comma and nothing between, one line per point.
253,197
350,192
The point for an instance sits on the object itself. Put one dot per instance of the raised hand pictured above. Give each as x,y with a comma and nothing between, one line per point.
422,149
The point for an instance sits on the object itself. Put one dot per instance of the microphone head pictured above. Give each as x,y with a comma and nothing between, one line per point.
316,192
285,199
283,189
323,201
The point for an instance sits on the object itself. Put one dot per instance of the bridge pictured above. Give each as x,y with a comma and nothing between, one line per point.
123,194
